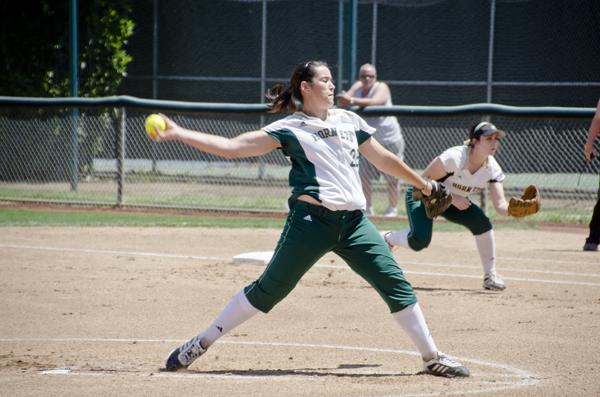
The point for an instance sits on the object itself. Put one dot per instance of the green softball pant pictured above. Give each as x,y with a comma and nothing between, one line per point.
312,231
421,227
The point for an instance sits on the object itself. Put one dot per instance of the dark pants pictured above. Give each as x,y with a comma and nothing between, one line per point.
421,227
594,236
312,231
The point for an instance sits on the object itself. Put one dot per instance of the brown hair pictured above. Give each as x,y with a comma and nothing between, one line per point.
285,98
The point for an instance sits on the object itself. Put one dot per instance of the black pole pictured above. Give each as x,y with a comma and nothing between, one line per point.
73,14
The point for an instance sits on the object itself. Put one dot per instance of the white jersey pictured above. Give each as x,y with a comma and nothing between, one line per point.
324,156
459,179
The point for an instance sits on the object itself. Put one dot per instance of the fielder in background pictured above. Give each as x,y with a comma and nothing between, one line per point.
466,170
368,91
592,241
325,211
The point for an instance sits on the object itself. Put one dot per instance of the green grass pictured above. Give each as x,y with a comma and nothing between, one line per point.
568,215
116,218
24,194
173,192
26,217
214,201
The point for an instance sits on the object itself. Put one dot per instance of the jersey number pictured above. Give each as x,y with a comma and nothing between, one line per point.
354,155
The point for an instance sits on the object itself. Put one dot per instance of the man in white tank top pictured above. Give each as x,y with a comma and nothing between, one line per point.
368,91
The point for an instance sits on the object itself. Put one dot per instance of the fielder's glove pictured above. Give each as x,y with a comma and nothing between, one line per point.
437,202
528,204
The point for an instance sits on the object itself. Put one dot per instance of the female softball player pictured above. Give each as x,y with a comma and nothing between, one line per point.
464,170
325,211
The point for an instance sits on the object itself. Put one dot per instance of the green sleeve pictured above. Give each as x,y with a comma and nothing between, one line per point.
362,136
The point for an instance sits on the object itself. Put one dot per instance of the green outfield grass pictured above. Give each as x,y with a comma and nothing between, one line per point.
117,218
27,217
193,192
168,199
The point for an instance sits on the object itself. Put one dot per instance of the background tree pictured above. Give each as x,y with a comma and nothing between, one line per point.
35,47
35,53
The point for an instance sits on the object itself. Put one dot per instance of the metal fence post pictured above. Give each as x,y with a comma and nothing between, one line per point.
374,35
489,83
74,149
340,58
353,41
154,71
263,78
120,154
490,74
74,54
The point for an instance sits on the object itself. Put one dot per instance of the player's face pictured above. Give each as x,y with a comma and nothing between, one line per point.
320,90
489,144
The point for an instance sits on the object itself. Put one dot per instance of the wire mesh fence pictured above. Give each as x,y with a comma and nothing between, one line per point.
100,156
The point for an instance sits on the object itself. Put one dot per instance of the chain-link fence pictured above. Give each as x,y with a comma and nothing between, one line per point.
99,155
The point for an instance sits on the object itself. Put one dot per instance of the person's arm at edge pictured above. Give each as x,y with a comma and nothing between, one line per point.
593,133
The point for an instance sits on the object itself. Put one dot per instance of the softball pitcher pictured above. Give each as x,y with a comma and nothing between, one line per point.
325,211
465,170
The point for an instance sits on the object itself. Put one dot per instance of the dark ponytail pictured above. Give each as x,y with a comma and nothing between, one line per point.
290,98
281,99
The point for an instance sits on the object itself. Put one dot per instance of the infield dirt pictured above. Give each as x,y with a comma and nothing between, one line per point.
95,311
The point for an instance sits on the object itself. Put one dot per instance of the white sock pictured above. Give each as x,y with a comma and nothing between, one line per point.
412,321
237,311
399,237
486,245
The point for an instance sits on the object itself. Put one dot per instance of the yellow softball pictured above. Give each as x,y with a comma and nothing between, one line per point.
155,124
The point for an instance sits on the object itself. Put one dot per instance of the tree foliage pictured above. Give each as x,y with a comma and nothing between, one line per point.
35,47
